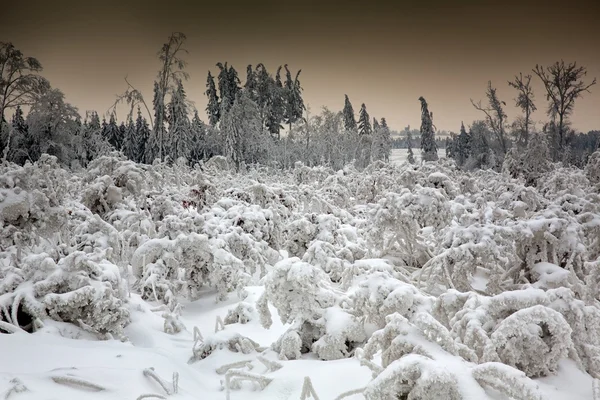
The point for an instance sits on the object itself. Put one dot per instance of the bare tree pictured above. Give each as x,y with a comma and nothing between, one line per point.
170,73
20,83
524,101
132,97
563,85
495,116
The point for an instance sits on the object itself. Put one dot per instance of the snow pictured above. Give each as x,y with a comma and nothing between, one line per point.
463,285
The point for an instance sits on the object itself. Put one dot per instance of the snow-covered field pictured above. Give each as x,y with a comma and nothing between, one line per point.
177,283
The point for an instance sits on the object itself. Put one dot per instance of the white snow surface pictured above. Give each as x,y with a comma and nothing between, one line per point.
418,274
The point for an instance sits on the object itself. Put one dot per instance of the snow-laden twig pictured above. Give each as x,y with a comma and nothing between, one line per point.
239,364
197,336
10,328
262,381
308,390
219,325
349,393
18,387
151,373
271,365
78,383
151,396
596,389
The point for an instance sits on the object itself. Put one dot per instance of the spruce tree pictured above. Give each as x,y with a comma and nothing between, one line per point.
463,146
428,145
275,105
212,108
251,84
348,112
294,106
130,141
111,133
154,146
386,140
364,123
20,141
198,140
242,131
411,155
122,133
179,143
142,134
377,142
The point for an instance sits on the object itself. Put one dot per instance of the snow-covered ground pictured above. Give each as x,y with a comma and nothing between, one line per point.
388,281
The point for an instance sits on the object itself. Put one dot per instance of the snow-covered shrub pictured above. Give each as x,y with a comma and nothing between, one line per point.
80,288
304,297
224,340
101,196
592,168
378,295
242,313
494,327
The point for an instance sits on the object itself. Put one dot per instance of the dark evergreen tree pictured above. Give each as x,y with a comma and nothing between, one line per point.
198,140
428,144
411,155
154,145
294,105
122,133
463,146
387,140
111,133
364,123
130,141
20,140
349,121
142,134
160,114
212,108
251,84
179,125
276,103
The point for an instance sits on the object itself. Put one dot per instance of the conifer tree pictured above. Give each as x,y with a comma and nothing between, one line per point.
212,108
349,121
463,146
198,139
364,123
411,155
294,106
251,84
155,142
130,142
275,105
142,134
428,145
112,133
242,131
386,140
21,141
179,125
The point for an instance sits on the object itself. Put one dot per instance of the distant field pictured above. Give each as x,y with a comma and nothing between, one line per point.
400,155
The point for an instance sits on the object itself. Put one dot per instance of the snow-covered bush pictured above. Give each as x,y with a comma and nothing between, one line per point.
305,298
79,288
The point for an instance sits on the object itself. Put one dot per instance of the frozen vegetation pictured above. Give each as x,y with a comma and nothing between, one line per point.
400,281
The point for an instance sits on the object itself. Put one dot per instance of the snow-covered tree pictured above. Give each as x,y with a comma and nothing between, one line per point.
349,121
212,107
180,134
428,145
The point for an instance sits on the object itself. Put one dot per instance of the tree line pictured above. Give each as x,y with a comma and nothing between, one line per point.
264,120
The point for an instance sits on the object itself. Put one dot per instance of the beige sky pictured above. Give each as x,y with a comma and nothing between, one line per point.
383,54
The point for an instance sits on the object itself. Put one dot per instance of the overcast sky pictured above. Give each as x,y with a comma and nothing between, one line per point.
384,54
